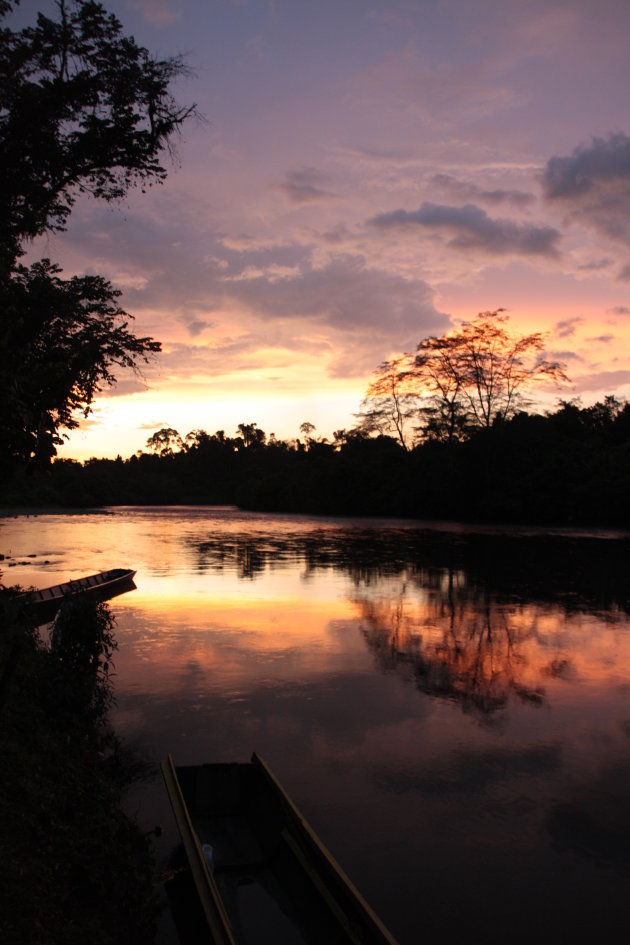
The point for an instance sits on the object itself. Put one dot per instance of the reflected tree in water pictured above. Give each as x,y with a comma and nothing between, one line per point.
461,614
459,642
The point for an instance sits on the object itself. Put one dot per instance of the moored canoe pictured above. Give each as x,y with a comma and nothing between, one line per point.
45,603
260,872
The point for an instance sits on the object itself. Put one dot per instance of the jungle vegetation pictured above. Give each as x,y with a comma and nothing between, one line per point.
73,867
566,466
83,110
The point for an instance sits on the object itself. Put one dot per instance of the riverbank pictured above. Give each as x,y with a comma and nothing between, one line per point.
73,867
568,468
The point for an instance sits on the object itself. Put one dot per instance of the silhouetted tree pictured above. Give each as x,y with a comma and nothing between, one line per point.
479,373
197,439
306,429
60,341
390,401
457,382
165,441
441,381
83,109
252,435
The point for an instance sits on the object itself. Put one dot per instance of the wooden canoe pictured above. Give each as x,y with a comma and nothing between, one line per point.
260,872
45,603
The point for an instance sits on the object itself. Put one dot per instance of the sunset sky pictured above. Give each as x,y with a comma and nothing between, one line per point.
367,174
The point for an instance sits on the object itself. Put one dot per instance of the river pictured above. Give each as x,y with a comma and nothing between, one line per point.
449,706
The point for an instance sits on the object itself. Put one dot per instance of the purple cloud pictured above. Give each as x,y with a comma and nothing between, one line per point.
196,327
607,160
125,386
562,356
595,265
603,380
306,186
464,190
593,184
566,328
344,294
472,228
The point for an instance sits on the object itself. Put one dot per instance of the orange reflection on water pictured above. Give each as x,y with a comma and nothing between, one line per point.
268,625
214,640
473,649
231,593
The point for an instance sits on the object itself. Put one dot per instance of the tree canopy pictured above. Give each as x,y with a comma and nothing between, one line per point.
83,109
570,466
70,333
465,380
391,401
165,441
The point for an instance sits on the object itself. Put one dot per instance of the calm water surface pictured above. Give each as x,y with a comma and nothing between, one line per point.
449,708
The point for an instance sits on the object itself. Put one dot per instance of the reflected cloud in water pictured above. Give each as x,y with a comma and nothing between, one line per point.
450,708
479,619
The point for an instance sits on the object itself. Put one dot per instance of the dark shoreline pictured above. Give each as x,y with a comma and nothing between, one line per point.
569,468
443,526
74,867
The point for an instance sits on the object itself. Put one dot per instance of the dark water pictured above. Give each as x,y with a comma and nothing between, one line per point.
449,708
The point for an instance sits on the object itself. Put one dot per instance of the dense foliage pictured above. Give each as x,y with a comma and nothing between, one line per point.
73,867
571,466
62,339
83,109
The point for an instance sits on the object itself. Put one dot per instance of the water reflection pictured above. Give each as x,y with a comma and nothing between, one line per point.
477,619
576,572
468,650
474,773
451,710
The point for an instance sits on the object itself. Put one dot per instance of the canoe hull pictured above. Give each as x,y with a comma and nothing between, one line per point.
274,878
44,604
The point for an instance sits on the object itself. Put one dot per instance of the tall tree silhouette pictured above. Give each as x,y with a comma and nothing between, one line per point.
391,401
83,109
459,382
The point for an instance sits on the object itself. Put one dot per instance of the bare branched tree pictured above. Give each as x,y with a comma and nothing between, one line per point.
459,382
390,402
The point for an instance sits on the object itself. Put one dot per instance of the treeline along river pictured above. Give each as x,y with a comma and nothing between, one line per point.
450,707
571,467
